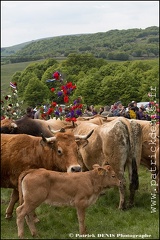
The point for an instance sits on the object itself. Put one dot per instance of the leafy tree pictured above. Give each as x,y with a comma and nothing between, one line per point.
48,63
16,76
98,81
24,80
36,92
87,88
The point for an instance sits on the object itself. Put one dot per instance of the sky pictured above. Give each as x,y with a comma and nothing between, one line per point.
23,21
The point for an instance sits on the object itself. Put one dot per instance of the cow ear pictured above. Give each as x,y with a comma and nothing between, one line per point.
108,167
81,142
101,171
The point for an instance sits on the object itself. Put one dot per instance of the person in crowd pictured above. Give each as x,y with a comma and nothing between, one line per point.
87,111
93,110
90,111
120,110
141,114
135,106
30,112
142,106
113,108
37,114
132,111
107,111
101,110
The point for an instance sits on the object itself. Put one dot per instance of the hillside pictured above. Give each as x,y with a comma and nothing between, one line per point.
111,45
7,51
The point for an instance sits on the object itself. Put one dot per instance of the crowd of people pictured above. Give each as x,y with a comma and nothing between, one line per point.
117,109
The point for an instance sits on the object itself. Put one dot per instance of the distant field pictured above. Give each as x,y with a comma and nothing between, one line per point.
7,72
103,219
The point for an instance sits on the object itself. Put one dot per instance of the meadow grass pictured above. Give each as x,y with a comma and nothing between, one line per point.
8,70
103,219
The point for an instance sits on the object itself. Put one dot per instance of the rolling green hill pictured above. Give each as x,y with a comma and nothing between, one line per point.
7,51
111,45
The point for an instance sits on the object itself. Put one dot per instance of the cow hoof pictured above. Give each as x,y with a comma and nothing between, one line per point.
130,205
122,208
36,220
8,216
34,234
103,193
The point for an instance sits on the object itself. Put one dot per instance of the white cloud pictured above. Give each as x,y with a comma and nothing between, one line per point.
23,21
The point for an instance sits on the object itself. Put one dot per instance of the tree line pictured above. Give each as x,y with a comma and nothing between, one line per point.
115,44
98,81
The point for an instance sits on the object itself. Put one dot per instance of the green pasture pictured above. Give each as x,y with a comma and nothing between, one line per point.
7,71
103,219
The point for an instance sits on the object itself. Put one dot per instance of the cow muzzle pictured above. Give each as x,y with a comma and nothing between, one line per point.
76,168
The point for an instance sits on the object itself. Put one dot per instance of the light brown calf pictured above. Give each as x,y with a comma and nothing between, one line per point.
78,190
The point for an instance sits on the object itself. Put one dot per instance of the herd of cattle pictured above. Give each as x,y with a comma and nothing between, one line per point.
29,147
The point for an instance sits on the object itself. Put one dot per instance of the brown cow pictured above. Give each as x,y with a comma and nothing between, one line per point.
58,123
150,149
20,152
118,143
78,190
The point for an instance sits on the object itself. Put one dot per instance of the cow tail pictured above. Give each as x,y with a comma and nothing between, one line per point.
20,179
134,185
134,178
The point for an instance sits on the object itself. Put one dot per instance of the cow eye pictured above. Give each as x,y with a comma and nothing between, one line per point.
113,176
59,150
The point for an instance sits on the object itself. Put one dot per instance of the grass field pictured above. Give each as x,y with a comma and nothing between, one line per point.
7,72
103,219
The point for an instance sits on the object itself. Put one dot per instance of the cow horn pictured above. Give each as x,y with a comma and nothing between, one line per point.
84,136
56,131
50,139
14,125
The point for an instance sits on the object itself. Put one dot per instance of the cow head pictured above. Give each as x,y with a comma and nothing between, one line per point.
65,146
108,176
8,126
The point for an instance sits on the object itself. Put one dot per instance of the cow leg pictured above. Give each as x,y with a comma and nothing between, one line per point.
13,199
30,219
81,219
22,214
134,181
122,190
36,219
20,221
131,189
